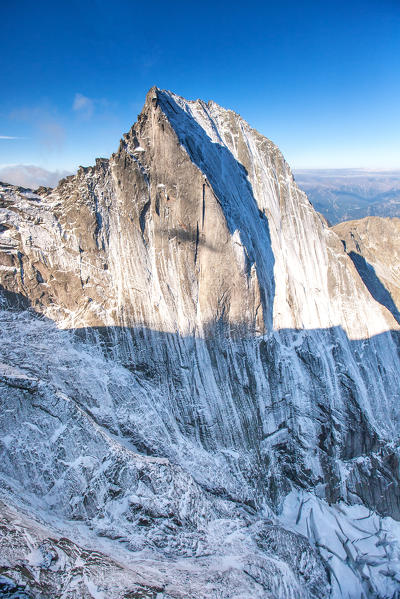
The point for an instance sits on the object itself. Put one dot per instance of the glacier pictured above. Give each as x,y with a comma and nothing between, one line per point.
199,392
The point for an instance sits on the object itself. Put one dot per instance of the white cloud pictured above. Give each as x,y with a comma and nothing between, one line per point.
10,137
29,175
83,105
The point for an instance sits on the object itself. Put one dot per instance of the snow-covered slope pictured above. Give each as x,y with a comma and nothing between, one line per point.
201,360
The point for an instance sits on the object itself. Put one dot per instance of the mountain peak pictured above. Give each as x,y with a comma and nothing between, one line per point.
213,382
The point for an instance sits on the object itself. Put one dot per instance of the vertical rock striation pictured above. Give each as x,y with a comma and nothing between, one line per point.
209,378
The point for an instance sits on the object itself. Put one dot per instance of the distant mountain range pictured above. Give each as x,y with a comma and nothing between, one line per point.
349,194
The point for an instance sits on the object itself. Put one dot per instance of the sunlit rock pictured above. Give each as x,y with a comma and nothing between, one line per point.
195,380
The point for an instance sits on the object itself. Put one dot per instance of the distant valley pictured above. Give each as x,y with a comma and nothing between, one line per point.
349,194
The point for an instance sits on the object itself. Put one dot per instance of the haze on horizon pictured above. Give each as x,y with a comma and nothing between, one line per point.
321,81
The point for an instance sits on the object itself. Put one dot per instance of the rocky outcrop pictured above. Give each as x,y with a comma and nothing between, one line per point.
199,348
196,218
373,245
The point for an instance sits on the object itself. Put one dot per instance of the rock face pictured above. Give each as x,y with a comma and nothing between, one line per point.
373,244
203,388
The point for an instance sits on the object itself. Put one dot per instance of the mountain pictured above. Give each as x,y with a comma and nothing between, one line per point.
347,194
373,245
199,392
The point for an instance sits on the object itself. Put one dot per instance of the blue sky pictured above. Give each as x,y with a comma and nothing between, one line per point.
321,79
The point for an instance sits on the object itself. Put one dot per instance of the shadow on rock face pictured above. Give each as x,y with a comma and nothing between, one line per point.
13,301
263,405
230,184
374,285
231,422
10,590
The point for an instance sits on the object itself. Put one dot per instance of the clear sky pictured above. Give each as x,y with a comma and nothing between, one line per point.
320,78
